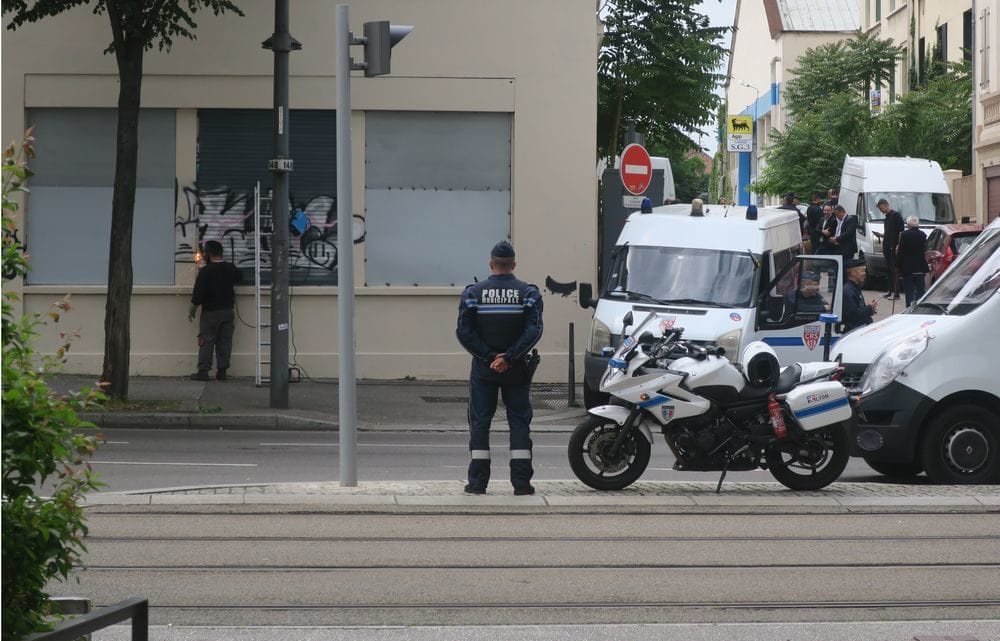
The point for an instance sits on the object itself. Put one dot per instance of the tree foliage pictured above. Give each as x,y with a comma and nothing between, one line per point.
934,121
829,116
136,27
42,536
657,68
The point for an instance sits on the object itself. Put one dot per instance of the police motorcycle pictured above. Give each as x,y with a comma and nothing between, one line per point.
716,416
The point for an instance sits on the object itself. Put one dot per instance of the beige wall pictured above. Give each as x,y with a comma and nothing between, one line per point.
536,60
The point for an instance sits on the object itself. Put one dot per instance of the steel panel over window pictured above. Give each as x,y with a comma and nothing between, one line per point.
68,214
234,146
437,195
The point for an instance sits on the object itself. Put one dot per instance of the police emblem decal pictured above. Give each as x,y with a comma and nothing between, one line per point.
736,317
810,336
667,411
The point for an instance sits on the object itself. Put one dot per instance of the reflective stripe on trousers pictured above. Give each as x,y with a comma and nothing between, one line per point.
482,407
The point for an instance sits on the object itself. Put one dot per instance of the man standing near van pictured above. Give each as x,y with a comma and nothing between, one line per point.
890,244
814,214
845,233
857,313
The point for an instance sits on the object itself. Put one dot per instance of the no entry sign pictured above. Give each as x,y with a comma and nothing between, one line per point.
636,169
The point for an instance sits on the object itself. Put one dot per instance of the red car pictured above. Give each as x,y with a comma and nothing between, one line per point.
946,242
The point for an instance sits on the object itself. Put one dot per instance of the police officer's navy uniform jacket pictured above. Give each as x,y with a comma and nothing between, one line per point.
500,315
856,311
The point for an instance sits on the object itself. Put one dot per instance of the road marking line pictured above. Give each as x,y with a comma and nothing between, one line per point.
175,464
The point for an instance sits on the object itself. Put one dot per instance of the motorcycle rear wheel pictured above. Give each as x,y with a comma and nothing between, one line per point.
592,462
819,459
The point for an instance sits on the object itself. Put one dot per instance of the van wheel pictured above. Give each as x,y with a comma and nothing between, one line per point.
962,446
896,469
592,397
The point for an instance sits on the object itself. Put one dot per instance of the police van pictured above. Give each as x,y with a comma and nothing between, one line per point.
930,393
727,275
912,186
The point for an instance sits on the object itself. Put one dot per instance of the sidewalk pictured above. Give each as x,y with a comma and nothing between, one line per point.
180,403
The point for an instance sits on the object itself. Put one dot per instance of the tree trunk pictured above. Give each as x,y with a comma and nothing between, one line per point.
117,311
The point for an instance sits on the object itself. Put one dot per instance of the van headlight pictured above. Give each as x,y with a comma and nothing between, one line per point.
892,361
600,337
731,342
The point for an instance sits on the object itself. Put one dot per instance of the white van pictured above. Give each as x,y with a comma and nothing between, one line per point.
930,391
725,279
913,187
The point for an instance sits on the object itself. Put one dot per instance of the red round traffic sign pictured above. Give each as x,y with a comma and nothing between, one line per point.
636,169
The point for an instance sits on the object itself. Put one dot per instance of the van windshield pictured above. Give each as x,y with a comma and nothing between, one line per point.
933,209
683,276
972,280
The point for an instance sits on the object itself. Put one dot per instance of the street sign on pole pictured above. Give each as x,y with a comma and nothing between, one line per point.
739,133
636,169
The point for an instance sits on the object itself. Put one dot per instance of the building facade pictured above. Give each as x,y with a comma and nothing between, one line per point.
768,39
986,106
485,130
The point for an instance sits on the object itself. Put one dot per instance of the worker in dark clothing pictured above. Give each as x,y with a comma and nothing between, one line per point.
857,313
892,228
499,321
213,290
814,215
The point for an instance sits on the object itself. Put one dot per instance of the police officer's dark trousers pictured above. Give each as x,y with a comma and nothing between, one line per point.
514,385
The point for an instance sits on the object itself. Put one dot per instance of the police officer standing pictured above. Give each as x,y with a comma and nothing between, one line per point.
857,313
499,321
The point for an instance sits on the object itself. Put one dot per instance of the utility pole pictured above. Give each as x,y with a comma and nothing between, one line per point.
281,43
379,38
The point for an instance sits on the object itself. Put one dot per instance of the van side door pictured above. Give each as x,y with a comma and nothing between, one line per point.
790,305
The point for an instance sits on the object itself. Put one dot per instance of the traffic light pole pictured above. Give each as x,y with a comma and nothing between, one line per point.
345,257
379,38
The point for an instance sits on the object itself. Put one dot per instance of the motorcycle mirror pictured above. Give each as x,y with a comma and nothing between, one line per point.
626,323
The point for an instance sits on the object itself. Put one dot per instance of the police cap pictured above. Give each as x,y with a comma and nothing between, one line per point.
503,249
854,262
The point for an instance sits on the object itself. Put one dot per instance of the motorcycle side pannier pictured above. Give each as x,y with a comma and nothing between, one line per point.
817,405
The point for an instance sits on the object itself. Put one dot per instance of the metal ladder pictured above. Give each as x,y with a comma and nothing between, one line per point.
263,228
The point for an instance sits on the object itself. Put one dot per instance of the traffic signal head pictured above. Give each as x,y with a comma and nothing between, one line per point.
380,37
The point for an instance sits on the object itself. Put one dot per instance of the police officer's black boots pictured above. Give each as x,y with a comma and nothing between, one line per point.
220,374
200,375
474,489
524,490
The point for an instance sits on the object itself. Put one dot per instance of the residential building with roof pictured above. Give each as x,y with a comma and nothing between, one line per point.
769,37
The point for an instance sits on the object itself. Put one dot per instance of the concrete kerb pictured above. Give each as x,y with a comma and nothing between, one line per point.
842,497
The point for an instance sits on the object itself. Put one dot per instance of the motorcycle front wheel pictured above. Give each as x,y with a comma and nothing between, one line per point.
811,460
593,461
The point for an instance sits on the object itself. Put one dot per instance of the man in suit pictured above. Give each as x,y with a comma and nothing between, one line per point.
892,227
844,235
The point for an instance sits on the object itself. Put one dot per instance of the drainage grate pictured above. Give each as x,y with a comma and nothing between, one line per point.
446,399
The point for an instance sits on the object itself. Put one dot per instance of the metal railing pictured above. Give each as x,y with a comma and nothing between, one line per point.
72,629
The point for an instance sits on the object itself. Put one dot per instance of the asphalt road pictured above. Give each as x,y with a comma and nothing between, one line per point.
150,459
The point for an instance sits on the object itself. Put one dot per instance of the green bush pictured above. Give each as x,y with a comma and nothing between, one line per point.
42,535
